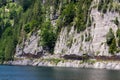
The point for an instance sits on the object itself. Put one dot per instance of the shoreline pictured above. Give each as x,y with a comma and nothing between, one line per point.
108,65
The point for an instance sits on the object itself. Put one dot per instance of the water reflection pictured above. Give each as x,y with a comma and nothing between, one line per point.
85,74
96,74
49,73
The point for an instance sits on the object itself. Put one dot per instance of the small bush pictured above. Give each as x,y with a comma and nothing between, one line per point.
27,28
118,36
104,5
113,47
31,26
110,36
116,21
13,14
48,36
82,12
69,42
68,14
111,41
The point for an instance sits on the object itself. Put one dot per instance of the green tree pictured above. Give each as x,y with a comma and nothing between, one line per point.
111,41
110,36
118,36
25,3
9,49
68,14
27,28
48,36
31,26
113,47
82,12
3,2
13,14
37,11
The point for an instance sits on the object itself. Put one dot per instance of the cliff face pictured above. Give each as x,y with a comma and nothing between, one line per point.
54,28
92,40
58,32
42,32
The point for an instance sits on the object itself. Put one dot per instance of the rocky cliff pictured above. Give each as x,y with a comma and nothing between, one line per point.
50,29
90,41
93,39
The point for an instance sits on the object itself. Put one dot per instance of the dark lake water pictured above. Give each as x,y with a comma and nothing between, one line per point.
53,73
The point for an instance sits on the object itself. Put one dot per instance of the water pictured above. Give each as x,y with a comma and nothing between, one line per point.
52,73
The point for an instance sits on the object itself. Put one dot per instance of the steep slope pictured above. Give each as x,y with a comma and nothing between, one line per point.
56,17
93,39
43,31
90,38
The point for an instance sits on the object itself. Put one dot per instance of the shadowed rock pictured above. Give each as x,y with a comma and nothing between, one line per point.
73,57
29,55
114,57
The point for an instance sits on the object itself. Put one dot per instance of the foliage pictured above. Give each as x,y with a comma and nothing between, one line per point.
111,5
48,36
9,31
27,28
54,60
88,38
13,14
31,26
111,41
75,12
3,2
9,42
37,11
25,3
68,14
116,21
103,5
118,32
69,43
30,15
110,36
82,11
118,36
113,47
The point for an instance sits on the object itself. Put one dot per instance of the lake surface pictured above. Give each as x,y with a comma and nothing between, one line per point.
53,73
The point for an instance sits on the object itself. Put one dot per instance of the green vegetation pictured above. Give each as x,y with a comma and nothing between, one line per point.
21,18
111,41
116,21
54,60
48,36
68,14
113,47
82,12
8,30
103,5
25,3
118,36
88,37
108,5
75,13
31,26
110,36
70,42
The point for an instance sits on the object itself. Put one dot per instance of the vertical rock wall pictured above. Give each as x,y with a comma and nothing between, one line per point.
90,41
